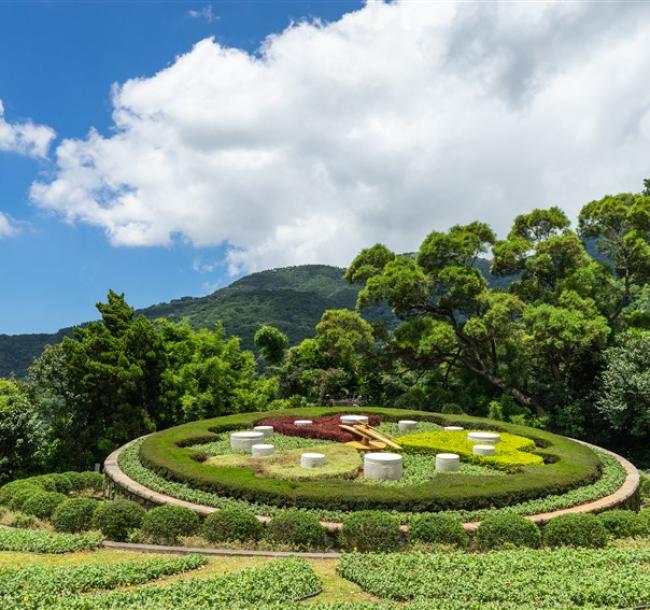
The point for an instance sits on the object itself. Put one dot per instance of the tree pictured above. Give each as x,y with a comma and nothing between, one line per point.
531,343
646,187
24,442
272,344
624,397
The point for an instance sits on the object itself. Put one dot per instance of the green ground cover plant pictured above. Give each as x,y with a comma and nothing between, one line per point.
274,585
341,462
35,541
527,578
571,465
511,452
612,478
41,586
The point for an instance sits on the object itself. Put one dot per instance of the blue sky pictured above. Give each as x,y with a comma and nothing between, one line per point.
59,62
199,141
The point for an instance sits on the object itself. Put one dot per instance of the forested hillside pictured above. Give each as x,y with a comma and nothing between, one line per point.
291,299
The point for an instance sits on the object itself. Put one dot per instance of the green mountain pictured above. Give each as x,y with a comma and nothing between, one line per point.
292,299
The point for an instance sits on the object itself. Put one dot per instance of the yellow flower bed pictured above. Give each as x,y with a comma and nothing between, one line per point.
512,451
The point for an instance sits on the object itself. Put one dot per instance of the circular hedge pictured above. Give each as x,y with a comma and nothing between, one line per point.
568,465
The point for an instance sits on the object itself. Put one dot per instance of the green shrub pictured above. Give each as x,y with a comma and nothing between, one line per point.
116,519
232,524
579,530
621,523
643,519
42,504
507,530
164,524
21,495
7,491
439,529
74,515
92,481
299,530
369,530
645,487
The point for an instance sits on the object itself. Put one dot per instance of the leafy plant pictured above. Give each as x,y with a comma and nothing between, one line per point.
35,541
42,504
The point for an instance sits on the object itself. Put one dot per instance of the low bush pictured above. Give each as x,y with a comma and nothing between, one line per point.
8,491
439,529
34,541
74,515
42,504
116,519
299,530
165,524
23,521
371,531
578,530
507,531
621,523
231,525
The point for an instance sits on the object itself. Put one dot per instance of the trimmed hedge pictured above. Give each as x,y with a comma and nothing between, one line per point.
42,504
439,529
622,523
116,520
507,531
165,524
371,531
231,525
75,515
578,530
296,529
571,465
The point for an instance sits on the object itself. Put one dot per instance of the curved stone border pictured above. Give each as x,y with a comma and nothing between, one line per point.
145,495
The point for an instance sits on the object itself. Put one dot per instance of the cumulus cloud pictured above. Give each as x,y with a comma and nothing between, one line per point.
398,119
24,138
7,228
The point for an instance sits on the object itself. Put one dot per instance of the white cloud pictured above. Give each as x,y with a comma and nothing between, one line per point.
206,13
397,119
24,138
7,228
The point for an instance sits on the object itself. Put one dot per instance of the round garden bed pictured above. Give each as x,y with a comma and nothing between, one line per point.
544,465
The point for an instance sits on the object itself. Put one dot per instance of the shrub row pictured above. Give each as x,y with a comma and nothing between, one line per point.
36,541
275,585
169,454
40,585
522,578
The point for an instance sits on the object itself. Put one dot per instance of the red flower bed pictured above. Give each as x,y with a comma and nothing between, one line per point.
325,428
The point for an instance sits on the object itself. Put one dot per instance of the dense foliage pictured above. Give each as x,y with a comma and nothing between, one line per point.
39,541
507,530
371,531
578,530
549,578
166,524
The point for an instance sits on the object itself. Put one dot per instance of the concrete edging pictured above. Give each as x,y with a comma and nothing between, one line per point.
139,491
